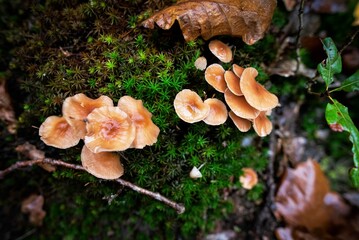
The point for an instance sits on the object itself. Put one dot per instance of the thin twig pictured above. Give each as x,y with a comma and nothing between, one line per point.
300,29
352,37
178,207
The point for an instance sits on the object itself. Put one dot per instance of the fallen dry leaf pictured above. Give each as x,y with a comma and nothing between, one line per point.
33,153
33,206
308,207
7,113
246,18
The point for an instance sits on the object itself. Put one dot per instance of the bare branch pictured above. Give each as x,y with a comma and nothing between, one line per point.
351,39
178,207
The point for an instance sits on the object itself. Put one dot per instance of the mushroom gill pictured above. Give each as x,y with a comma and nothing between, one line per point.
109,129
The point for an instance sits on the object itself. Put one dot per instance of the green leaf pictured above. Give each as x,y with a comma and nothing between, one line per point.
354,177
332,65
352,83
338,119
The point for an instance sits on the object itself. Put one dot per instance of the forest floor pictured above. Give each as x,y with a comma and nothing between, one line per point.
300,133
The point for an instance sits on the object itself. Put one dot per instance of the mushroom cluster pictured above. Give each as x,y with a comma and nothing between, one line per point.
105,128
248,100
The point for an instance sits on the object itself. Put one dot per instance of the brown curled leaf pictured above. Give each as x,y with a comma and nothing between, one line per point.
246,18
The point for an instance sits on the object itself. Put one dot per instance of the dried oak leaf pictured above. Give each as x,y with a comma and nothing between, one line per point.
246,18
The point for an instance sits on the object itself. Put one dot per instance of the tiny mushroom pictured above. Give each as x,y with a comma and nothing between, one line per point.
109,129
256,95
218,113
201,63
76,108
56,132
262,125
233,83
195,173
249,178
105,165
242,124
146,131
214,75
221,50
239,105
190,107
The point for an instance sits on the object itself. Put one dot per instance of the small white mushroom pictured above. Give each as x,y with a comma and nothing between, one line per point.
195,173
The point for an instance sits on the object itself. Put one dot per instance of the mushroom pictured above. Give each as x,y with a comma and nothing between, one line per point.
109,129
239,105
233,83
242,124
218,113
249,178
105,165
190,107
195,173
214,75
256,95
238,70
56,132
201,63
221,50
146,131
76,108
262,125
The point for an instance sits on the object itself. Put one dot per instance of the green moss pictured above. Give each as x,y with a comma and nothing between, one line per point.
79,47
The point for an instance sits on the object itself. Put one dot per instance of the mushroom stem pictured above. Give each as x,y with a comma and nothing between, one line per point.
177,206
201,166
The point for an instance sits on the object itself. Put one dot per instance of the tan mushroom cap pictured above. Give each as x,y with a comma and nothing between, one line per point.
262,125
249,178
242,124
105,165
190,107
214,75
56,132
146,131
109,129
221,50
238,70
233,83
76,108
256,95
218,113
201,63
239,105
